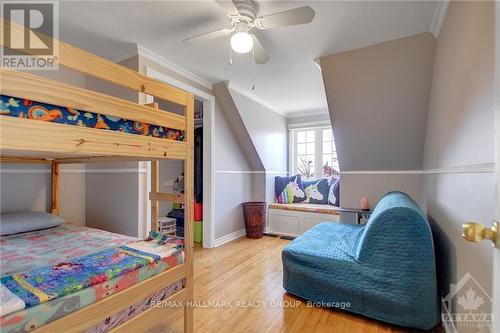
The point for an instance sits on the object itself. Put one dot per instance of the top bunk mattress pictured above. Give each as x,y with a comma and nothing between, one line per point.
23,108
30,250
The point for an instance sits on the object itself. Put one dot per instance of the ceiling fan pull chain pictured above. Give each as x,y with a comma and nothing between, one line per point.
253,68
230,56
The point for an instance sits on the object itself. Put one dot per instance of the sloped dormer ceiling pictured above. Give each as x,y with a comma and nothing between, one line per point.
378,98
234,119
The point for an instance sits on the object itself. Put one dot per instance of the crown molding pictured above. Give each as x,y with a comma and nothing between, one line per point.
307,113
438,17
309,124
162,61
147,53
239,89
318,64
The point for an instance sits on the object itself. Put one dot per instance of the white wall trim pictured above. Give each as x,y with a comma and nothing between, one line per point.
208,151
249,172
239,89
309,124
438,17
473,168
306,113
229,237
80,170
382,172
144,52
3,170
313,125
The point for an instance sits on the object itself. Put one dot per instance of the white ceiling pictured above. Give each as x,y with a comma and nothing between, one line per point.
290,81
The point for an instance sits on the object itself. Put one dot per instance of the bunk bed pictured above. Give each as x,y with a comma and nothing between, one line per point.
46,121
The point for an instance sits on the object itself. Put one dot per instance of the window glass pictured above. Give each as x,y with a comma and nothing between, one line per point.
315,154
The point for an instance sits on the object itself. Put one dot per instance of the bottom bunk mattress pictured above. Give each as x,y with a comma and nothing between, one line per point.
50,273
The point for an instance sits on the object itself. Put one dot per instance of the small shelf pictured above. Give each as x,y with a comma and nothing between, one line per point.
198,123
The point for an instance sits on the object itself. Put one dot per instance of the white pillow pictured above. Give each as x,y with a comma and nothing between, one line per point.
14,223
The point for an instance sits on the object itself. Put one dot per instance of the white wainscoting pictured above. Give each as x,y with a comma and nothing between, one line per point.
295,223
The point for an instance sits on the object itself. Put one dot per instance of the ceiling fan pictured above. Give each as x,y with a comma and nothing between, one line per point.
243,16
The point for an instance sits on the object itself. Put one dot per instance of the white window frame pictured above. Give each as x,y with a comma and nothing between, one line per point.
318,153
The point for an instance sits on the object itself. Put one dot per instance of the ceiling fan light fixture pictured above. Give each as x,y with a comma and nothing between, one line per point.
241,42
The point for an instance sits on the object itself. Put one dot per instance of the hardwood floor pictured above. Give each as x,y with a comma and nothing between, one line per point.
250,270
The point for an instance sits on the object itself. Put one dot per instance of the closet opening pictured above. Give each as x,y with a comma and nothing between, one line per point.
171,215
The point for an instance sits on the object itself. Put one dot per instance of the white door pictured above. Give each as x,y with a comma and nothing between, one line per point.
496,255
478,232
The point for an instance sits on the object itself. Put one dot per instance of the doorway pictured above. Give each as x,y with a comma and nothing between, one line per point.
172,170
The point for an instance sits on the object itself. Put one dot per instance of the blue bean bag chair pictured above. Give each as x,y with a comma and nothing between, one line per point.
383,270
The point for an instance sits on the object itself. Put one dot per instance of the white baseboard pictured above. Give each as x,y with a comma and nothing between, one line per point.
229,237
270,231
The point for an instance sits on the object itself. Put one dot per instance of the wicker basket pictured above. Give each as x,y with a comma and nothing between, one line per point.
255,218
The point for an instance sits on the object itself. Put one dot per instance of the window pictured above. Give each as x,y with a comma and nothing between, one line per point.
313,153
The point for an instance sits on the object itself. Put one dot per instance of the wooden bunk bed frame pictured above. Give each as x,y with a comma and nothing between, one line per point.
33,141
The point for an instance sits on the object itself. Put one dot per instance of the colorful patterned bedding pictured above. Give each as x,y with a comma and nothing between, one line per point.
23,108
53,245
33,298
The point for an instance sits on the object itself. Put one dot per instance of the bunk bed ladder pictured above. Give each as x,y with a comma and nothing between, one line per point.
54,188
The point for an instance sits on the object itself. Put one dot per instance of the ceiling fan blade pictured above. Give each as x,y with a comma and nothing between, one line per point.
261,56
301,15
208,36
228,7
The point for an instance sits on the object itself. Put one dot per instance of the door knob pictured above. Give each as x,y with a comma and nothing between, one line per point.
476,232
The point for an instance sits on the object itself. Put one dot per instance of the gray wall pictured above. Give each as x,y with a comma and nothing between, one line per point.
354,187
267,130
251,148
262,136
460,133
26,187
238,126
233,185
112,197
378,100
